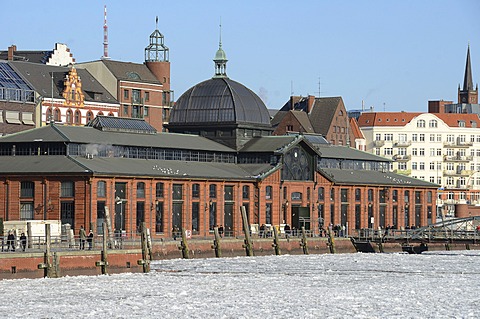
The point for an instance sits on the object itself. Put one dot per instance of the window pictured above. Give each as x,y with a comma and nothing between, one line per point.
433,123
57,115
388,151
321,194
432,137
195,190
402,137
140,190
402,166
432,166
432,152
136,96
245,192
268,192
195,216
296,196
414,165
422,151
147,96
402,151
27,189
26,211
395,196
69,117
159,217
159,190
101,189
414,137
228,193
370,195
421,123
358,194
461,123
388,137
78,117
439,137
213,191
332,194
344,195
439,152
422,137
89,116
378,137
450,138
145,111
125,94
125,110
177,191
67,189
414,151
422,166
48,115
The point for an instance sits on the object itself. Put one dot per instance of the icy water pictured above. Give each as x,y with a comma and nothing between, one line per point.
432,285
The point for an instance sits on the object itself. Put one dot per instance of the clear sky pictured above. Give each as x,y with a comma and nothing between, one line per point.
393,55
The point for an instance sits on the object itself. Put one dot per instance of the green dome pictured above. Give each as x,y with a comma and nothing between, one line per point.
220,55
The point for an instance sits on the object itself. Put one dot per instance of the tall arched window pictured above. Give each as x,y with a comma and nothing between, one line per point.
140,190
78,117
69,117
268,192
421,123
57,115
48,115
432,123
89,116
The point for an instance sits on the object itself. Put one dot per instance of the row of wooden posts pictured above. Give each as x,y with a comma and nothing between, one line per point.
51,262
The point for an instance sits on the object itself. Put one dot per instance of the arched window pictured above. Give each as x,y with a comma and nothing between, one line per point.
110,114
89,116
48,115
268,192
421,123
432,123
78,117
100,113
246,192
321,194
140,190
57,115
213,191
159,190
69,117
195,190
101,189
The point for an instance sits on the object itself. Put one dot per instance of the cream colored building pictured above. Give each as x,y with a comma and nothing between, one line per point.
441,148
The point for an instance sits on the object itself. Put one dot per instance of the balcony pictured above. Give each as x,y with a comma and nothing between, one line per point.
405,172
401,158
458,172
458,144
402,143
457,158
378,143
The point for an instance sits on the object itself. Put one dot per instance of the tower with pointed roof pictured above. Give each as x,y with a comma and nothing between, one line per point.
157,58
468,95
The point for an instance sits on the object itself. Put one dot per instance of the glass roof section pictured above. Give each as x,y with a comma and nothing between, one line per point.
12,86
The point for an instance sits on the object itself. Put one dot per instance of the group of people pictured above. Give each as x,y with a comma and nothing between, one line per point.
11,241
84,238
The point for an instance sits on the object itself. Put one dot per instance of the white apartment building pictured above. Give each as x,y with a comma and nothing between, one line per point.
441,148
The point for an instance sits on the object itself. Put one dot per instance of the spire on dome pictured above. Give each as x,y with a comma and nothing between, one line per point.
220,59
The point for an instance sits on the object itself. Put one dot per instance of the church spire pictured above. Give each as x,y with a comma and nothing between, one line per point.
220,59
467,81
468,94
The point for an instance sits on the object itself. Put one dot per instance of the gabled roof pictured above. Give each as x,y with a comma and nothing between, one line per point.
40,77
364,177
129,71
63,165
345,152
368,119
454,119
357,133
28,56
90,135
323,112
121,124
302,118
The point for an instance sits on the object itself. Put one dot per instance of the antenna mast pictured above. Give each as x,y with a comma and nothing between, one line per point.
105,34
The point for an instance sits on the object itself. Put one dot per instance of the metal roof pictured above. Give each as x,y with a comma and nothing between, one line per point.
345,152
217,101
365,177
266,144
90,135
119,124
62,165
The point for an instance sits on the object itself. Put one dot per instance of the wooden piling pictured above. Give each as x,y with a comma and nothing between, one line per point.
276,242
109,228
103,263
145,261
48,269
303,242
184,245
216,243
247,241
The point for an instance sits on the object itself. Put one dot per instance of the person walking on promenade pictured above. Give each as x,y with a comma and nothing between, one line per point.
23,241
10,241
90,240
83,236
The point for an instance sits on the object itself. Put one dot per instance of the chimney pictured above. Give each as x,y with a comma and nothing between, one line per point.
11,50
292,102
310,101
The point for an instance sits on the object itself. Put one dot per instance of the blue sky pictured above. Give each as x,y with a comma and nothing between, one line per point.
393,55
